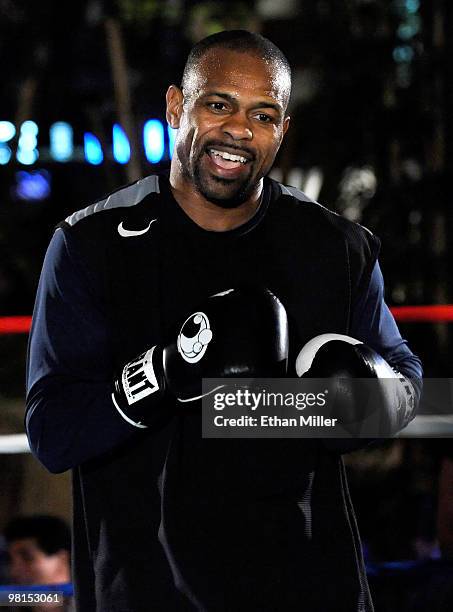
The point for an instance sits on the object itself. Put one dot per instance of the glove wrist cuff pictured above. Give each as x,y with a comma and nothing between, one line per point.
139,385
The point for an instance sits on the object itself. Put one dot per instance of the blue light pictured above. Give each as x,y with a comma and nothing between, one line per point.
5,154
61,141
33,186
7,131
27,153
171,139
121,146
406,31
93,149
153,139
29,127
412,6
410,28
403,54
27,140
27,156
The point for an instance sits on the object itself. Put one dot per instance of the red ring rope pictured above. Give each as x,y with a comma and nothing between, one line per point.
15,325
437,313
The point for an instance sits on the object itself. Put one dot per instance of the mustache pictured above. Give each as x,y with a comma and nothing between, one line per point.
212,144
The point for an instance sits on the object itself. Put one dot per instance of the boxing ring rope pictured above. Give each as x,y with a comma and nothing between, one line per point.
11,444
437,313
434,313
14,325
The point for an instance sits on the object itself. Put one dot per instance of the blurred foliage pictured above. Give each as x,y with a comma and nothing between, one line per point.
207,18
140,13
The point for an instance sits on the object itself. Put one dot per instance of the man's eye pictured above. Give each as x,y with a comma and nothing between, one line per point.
264,118
216,106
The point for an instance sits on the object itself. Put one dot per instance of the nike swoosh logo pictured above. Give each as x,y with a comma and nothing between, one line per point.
128,233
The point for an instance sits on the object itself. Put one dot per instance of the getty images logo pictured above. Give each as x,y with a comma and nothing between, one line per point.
194,337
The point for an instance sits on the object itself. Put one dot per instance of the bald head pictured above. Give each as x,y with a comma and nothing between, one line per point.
239,42
231,119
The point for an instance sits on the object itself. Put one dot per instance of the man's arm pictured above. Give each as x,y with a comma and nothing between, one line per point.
77,410
70,416
373,324
373,348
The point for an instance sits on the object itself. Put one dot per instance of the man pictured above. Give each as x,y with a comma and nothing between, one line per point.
39,553
164,519
39,550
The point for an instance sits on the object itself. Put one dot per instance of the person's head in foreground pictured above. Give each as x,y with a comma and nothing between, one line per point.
39,549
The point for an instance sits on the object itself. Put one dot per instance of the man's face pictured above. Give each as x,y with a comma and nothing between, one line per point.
231,123
30,565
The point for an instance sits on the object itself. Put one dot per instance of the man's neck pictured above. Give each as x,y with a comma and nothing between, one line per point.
207,215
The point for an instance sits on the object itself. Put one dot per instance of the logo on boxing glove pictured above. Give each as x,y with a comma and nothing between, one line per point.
138,378
194,337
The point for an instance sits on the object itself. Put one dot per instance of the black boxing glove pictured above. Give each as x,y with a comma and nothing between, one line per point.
140,387
239,333
234,334
342,357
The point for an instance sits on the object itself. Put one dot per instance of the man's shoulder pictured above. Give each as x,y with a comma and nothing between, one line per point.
105,212
304,209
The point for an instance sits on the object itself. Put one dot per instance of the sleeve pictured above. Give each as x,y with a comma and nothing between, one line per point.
70,417
374,325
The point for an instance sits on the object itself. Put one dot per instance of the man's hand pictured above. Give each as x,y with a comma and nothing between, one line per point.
344,359
234,334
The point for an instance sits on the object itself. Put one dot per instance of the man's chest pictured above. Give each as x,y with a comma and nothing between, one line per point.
160,281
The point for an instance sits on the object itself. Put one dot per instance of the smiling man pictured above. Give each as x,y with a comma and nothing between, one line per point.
215,271
231,124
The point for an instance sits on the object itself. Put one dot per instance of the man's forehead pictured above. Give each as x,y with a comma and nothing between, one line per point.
222,68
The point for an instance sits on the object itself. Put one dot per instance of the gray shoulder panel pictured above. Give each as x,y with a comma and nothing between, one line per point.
127,196
296,193
302,197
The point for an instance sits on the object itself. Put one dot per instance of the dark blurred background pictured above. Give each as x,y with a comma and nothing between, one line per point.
82,113
371,136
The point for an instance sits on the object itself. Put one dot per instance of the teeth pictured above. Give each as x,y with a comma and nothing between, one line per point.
229,156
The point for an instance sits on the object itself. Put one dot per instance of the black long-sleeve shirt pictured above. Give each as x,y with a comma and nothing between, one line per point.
106,296
70,416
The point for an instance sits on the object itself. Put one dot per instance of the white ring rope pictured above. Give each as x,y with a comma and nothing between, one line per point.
14,443
422,426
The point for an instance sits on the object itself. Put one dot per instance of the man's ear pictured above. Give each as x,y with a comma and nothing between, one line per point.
286,124
175,100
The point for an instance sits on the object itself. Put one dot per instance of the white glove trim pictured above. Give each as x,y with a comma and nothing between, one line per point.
192,399
126,418
308,352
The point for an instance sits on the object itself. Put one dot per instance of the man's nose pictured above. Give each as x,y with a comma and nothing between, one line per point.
238,127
